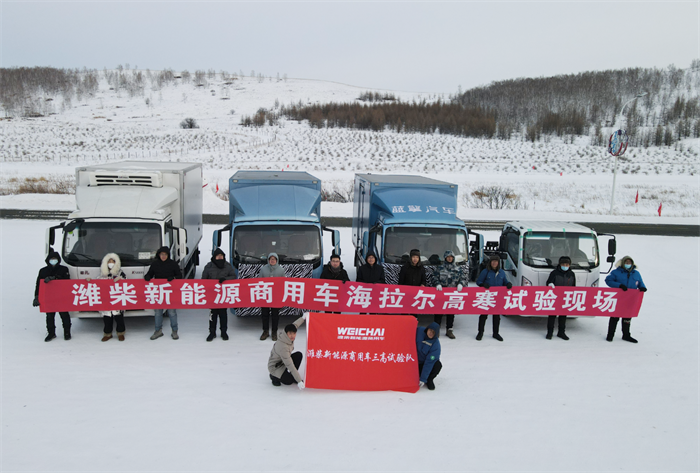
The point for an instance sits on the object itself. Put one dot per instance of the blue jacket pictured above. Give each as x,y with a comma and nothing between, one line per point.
632,278
492,278
428,349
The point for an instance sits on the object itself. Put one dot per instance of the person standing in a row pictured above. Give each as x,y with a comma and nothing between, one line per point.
413,272
625,276
163,267
53,270
449,275
218,268
271,270
334,270
492,276
561,276
371,272
111,268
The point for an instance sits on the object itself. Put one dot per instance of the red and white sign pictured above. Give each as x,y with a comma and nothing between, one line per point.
333,296
361,352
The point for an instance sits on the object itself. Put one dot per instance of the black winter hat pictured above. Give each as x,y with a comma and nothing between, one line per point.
414,253
216,252
163,249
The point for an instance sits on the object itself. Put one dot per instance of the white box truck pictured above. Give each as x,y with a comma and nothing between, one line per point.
131,208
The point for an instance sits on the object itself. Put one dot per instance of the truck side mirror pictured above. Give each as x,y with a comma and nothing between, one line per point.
335,239
612,247
502,243
216,236
376,228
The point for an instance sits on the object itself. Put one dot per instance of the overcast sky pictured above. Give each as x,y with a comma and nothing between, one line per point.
406,46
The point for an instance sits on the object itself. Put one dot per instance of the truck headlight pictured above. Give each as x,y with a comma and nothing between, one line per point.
595,283
526,282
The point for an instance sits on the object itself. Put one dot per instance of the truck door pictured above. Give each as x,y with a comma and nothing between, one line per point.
511,240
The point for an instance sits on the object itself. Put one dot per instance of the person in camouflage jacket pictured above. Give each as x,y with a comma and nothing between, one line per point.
449,275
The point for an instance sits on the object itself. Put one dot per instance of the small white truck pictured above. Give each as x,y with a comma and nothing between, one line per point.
131,208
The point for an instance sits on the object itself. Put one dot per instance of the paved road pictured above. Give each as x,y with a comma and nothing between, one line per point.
615,228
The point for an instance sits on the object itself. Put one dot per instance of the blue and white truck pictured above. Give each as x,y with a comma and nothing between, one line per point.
394,214
275,212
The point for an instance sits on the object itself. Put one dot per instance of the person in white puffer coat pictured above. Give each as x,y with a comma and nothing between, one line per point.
111,268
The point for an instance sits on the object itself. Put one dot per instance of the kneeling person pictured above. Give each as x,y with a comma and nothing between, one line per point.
283,365
428,348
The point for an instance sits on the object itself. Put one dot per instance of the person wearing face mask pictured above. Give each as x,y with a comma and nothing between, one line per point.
111,268
561,276
271,270
625,276
53,270
218,268
163,267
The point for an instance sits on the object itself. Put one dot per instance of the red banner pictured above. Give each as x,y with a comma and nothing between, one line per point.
333,296
361,352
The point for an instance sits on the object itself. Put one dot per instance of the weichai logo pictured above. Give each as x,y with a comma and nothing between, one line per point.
361,331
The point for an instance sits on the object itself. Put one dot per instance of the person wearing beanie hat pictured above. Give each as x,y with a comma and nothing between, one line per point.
371,272
413,272
625,276
283,365
428,350
218,268
271,270
449,275
53,270
561,276
492,276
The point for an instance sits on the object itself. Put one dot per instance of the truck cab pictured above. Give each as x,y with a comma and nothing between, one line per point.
531,251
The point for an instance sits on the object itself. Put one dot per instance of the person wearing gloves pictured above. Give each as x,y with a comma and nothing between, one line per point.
334,270
218,268
163,267
53,270
283,365
449,275
561,276
371,272
413,272
625,276
428,348
492,276
271,270
111,268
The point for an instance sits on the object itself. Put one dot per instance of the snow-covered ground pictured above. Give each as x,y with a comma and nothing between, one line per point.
526,404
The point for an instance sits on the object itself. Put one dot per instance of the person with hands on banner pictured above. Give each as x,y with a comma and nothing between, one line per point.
428,348
111,268
371,272
163,267
271,270
625,276
413,272
334,270
561,276
449,275
283,365
53,270
492,276
218,268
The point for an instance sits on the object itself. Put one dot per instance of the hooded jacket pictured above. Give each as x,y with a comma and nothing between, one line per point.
492,278
428,349
371,273
336,274
167,269
53,272
449,274
272,270
115,272
213,271
281,355
412,275
562,278
630,278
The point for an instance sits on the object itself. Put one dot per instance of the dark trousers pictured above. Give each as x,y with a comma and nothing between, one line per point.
612,325
449,322
433,373
550,323
266,311
223,320
109,322
287,377
51,321
496,320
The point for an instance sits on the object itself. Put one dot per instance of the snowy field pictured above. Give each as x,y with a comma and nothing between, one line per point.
526,404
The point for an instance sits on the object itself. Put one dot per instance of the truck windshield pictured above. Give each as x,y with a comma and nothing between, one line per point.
292,243
543,250
135,243
432,243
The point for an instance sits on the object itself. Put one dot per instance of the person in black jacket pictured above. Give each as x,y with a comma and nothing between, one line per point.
561,276
371,272
222,270
53,270
163,267
413,272
334,270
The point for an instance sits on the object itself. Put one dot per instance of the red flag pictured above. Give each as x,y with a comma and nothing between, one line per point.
660,204
636,199
217,187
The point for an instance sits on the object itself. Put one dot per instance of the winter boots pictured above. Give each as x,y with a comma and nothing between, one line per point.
66,333
626,331
120,336
264,335
175,335
157,334
274,336
224,335
496,327
430,384
561,333
106,337
275,381
211,336
50,336
450,334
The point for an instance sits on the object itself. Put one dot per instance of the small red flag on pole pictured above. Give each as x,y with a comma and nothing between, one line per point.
660,204
217,187
636,199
